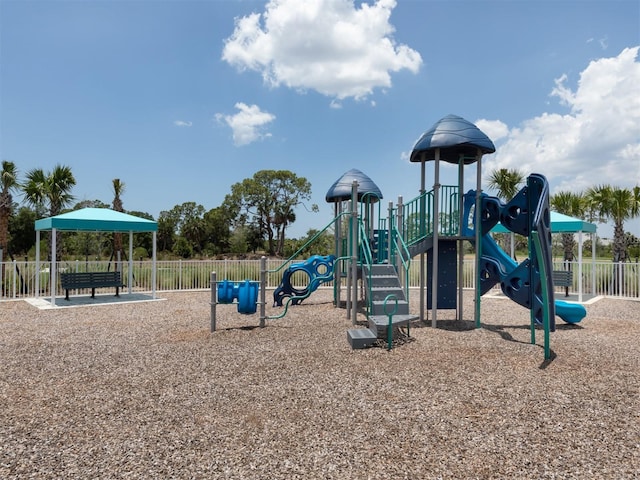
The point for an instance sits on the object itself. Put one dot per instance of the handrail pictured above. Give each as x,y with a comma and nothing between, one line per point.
307,243
416,218
390,314
417,215
405,257
365,257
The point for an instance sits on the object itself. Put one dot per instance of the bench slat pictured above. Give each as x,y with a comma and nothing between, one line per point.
563,278
92,280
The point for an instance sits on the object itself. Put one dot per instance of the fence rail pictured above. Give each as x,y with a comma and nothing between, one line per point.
18,278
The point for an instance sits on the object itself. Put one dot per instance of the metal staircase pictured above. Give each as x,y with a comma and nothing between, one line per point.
381,281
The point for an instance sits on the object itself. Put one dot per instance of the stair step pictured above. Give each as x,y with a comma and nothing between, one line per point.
383,280
361,337
377,307
380,323
381,269
380,293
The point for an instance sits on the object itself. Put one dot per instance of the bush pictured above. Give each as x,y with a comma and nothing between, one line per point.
140,252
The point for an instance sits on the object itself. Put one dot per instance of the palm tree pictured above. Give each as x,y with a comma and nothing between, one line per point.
606,203
51,190
507,183
284,216
118,190
618,204
8,183
573,204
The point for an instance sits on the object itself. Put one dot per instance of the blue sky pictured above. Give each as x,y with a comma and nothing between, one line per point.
182,99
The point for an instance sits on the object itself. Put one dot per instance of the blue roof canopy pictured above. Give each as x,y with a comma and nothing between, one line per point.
456,138
341,189
97,220
560,223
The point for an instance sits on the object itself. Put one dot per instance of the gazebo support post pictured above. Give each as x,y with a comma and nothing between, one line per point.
130,273
37,263
52,270
580,266
153,267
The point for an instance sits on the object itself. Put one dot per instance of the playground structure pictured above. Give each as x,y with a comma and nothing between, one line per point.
377,249
317,270
434,226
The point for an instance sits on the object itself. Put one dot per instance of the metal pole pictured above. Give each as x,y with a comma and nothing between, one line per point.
460,241
130,272
422,220
214,300
478,230
153,266
436,227
580,266
337,275
400,229
354,252
390,223
263,290
52,270
38,263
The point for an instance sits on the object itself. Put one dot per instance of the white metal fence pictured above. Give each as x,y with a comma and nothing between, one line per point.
18,278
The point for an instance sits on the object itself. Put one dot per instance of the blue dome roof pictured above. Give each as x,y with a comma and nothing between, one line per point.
455,137
341,189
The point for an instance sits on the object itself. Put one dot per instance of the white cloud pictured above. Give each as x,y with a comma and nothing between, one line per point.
248,124
596,142
182,123
494,129
329,46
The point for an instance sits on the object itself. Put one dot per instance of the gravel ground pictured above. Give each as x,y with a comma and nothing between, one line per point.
144,390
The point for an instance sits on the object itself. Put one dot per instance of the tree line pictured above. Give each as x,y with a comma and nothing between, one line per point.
253,217
601,203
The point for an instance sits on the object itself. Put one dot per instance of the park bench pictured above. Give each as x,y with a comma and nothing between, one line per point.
92,280
563,278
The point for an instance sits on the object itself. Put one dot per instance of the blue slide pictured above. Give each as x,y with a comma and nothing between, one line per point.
569,312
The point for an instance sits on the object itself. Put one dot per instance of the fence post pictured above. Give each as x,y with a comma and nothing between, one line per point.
15,276
214,300
620,279
263,293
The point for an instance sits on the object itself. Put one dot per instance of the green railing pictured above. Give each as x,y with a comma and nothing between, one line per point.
295,255
365,258
398,254
417,215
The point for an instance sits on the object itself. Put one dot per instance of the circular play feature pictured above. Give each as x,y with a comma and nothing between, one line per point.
310,273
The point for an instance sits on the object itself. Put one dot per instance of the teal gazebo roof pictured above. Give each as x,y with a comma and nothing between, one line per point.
560,223
97,219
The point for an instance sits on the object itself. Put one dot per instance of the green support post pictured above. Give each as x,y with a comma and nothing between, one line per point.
545,296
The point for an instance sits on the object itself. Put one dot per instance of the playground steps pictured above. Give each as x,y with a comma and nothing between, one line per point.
361,337
380,323
380,281
378,329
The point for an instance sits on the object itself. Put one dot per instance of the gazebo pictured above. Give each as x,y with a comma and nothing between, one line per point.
561,223
94,220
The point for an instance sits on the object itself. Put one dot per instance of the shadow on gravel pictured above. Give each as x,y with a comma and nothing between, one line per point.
548,361
568,326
